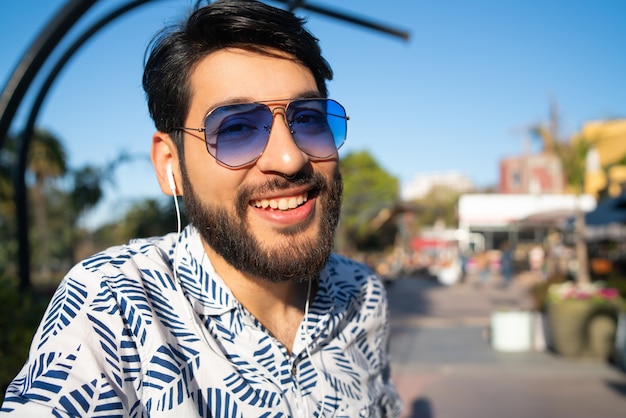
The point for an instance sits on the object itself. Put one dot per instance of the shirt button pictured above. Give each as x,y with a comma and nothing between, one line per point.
293,370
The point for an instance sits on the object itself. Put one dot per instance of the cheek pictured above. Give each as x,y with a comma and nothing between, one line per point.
329,168
211,183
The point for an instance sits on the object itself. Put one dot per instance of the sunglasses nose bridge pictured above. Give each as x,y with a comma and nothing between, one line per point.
281,153
279,111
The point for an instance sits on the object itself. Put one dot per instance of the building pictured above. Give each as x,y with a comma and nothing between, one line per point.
517,217
423,183
605,172
537,173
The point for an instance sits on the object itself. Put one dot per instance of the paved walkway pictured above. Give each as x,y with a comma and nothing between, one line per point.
445,367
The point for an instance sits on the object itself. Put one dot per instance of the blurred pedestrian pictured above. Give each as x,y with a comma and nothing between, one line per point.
506,263
536,259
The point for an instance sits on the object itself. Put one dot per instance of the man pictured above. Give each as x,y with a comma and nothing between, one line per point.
244,313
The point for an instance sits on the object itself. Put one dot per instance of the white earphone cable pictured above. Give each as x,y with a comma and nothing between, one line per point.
308,350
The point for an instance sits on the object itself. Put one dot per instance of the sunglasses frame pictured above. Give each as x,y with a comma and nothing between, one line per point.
272,111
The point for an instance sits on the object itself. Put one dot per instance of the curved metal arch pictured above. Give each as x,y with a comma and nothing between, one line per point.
33,59
25,138
292,5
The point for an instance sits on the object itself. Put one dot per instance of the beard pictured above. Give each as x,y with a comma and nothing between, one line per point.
291,258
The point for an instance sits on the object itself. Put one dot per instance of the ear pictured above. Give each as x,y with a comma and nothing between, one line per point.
164,154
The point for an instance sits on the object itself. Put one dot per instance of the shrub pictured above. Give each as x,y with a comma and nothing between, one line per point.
20,314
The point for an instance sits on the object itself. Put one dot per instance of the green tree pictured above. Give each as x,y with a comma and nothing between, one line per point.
149,217
8,249
46,160
55,208
145,218
87,189
369,193
438,205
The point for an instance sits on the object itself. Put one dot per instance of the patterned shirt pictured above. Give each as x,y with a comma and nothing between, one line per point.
125,337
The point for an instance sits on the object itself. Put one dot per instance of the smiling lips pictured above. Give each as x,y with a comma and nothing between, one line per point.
283,203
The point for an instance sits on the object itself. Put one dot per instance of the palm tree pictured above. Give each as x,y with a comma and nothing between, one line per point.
573,156
88,190
46,160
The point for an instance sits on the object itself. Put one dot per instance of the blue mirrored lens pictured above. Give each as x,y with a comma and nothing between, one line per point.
237,134
318,126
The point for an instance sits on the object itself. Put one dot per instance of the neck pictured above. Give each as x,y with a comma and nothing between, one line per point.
279,306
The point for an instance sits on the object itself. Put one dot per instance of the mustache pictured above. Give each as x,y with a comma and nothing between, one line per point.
315,181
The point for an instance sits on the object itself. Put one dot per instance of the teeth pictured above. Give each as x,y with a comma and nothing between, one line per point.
284,203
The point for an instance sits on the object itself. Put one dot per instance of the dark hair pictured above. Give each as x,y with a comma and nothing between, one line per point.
245,24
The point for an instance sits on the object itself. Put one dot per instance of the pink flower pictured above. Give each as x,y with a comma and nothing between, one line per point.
586,291
609,293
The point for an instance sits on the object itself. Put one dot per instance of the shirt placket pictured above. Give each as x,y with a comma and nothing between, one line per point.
308,337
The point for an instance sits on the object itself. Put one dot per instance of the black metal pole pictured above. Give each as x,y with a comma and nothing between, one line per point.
21,204
346,17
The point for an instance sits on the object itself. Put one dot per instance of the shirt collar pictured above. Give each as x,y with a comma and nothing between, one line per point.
210,296
203,287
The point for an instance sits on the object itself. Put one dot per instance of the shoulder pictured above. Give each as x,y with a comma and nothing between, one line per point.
106,297
122,269
130,258
108,292
120,275
354,280
349,269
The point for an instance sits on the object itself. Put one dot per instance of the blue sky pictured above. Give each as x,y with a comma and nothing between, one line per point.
458,96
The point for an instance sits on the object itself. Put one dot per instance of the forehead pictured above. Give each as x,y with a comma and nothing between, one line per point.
235,75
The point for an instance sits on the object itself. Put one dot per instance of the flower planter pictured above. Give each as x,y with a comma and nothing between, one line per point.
582,328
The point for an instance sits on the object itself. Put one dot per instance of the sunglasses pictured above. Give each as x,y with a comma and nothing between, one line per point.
236,135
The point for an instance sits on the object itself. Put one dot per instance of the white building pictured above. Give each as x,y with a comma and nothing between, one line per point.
502,216
424,182
502,210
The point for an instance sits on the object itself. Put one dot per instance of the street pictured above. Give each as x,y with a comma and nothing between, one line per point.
445,367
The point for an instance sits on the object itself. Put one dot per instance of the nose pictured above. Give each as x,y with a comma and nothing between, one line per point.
281,154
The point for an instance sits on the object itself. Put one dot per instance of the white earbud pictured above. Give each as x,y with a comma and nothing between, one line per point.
170,178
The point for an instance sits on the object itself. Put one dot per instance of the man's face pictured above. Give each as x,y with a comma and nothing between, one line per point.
275,218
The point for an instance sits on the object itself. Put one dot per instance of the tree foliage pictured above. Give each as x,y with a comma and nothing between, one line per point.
46,161
572,154
8,249
144,218
438,205
368,190
59,196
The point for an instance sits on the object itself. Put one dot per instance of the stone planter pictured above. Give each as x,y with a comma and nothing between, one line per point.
581,328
